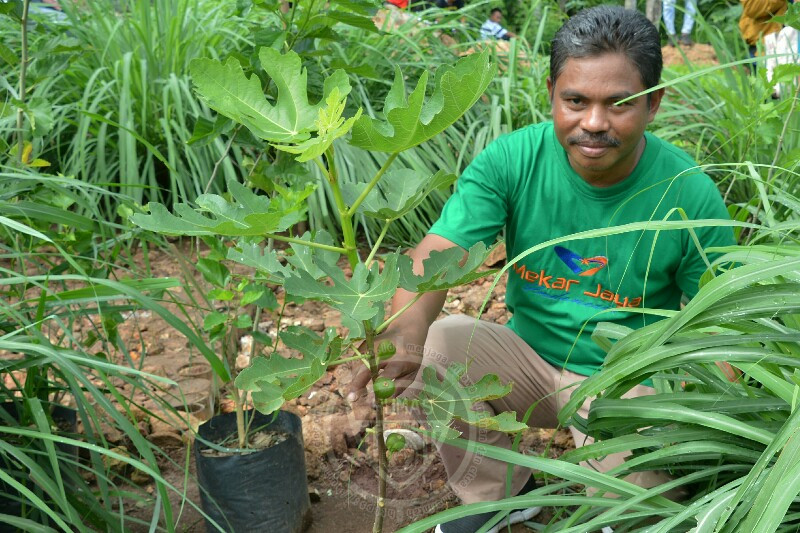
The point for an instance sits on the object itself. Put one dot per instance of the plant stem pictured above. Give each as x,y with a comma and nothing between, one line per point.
392,318
295,240
228,352
348,231
377,243
240,426
22,81
371,185
347,360
380,505
321,166
221,159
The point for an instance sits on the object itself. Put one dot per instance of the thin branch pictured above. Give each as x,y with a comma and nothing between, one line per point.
392,318
295,240
221,159
322,168
371,185
347,360
377,243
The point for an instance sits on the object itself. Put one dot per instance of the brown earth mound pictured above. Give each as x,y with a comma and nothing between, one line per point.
698,54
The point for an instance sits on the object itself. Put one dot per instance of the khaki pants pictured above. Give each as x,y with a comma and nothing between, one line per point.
495,349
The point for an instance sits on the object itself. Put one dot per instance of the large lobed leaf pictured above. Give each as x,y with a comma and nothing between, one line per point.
329,126
247,215
291,118
274,380
442,269
412,121
268,263
359,298
398,192
448,400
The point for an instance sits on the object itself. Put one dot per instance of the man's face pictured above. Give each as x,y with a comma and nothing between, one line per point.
603,141
496,17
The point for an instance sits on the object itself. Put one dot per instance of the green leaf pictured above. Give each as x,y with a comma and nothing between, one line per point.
330,126
227,90
244,322
8,56
12,8
412,121
447,400
206,131
266,262
306,258
442,270
261,338
398,192
250,297
213,320
214,272
276,379
222,295
248,215
791,17
354,20
360,298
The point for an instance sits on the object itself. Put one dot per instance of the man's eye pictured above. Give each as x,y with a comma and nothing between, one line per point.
575,101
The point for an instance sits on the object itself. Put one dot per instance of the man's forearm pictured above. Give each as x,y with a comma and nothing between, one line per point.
419,316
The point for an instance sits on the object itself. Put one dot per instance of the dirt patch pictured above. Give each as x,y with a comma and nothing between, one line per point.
697,54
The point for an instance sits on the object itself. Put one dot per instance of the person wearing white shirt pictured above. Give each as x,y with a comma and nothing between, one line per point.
492,29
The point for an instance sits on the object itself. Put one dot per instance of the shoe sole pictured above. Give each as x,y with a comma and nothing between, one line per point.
515,517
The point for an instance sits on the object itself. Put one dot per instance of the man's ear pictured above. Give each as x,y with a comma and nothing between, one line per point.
655,103
550,88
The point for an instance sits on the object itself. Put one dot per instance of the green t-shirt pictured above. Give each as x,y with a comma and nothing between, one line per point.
524,182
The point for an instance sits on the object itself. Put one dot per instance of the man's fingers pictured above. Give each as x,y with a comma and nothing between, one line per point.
402,375
358,384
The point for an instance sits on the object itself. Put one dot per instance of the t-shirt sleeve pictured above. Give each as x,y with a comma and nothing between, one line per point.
692,266
478,209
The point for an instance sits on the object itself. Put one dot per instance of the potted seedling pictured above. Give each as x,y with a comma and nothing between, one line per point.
310,268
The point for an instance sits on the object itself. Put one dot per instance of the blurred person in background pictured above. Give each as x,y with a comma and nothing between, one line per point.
668,14
755,20
493,29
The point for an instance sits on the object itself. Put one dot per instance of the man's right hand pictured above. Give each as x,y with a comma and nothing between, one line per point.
409,331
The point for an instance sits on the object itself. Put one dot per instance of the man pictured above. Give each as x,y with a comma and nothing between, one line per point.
668,14
492,29
592,167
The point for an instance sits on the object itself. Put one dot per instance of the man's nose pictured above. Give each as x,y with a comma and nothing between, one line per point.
595,119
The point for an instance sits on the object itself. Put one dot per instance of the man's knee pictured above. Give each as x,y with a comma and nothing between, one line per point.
445,342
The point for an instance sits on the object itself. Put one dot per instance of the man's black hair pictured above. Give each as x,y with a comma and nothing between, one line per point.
495,10
609,29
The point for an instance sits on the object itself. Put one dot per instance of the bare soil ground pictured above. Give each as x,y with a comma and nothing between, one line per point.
341,463
698,54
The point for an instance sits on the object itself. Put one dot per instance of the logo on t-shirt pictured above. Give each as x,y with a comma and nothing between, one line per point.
582,266
573,290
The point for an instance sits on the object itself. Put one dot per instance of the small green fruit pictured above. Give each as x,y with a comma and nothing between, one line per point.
386,349
395,443
384,388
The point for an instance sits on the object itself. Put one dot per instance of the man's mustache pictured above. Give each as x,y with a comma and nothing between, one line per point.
594,138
